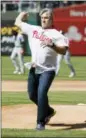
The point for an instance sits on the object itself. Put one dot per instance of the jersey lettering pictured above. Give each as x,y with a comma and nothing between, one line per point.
41,36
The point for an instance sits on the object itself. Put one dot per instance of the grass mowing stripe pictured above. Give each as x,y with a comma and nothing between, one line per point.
78,62
67,97
45,133
13,98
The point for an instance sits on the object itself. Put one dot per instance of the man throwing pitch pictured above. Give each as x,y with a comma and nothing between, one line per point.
45,42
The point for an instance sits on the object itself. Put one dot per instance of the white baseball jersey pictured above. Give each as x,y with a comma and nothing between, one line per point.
19,40
44,58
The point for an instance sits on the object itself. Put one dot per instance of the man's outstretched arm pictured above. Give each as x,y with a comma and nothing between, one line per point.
60,50
21,17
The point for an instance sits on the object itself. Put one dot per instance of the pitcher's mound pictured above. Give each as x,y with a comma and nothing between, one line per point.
24,116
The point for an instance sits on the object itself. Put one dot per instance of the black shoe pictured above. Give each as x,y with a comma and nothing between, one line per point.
47,119
40,126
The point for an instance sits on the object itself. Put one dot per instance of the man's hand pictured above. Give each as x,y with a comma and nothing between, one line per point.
58,49
24,15
21,17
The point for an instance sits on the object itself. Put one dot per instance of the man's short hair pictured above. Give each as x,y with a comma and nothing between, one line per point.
46,10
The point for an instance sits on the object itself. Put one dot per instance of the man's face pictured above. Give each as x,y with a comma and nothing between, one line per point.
46,20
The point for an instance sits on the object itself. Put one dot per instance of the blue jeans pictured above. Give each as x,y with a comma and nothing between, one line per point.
38,86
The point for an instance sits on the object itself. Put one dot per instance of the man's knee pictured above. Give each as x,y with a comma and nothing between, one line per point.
31,96
67,61
42,95
12,58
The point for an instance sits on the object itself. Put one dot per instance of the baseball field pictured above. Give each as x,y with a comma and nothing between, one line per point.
66,95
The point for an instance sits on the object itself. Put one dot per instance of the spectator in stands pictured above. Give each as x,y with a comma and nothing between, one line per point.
79,2
65,3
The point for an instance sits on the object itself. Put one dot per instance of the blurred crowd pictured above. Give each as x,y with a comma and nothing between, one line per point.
59,4
19,5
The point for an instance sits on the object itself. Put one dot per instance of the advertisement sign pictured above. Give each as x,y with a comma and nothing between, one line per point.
72,21
7,37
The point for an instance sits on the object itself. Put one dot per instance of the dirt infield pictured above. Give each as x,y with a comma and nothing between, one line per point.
24,116
21,86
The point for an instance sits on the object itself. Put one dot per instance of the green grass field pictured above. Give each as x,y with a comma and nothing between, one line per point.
25,133
79,64
14,98
72,97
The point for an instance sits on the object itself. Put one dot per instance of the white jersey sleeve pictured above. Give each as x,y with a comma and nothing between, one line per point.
26,28
61,40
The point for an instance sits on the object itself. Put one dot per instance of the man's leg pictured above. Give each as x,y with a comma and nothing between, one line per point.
58,63
68,62
21,62
45,81
14,60
32,85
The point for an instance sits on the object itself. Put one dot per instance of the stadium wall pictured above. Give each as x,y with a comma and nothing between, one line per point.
72,20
